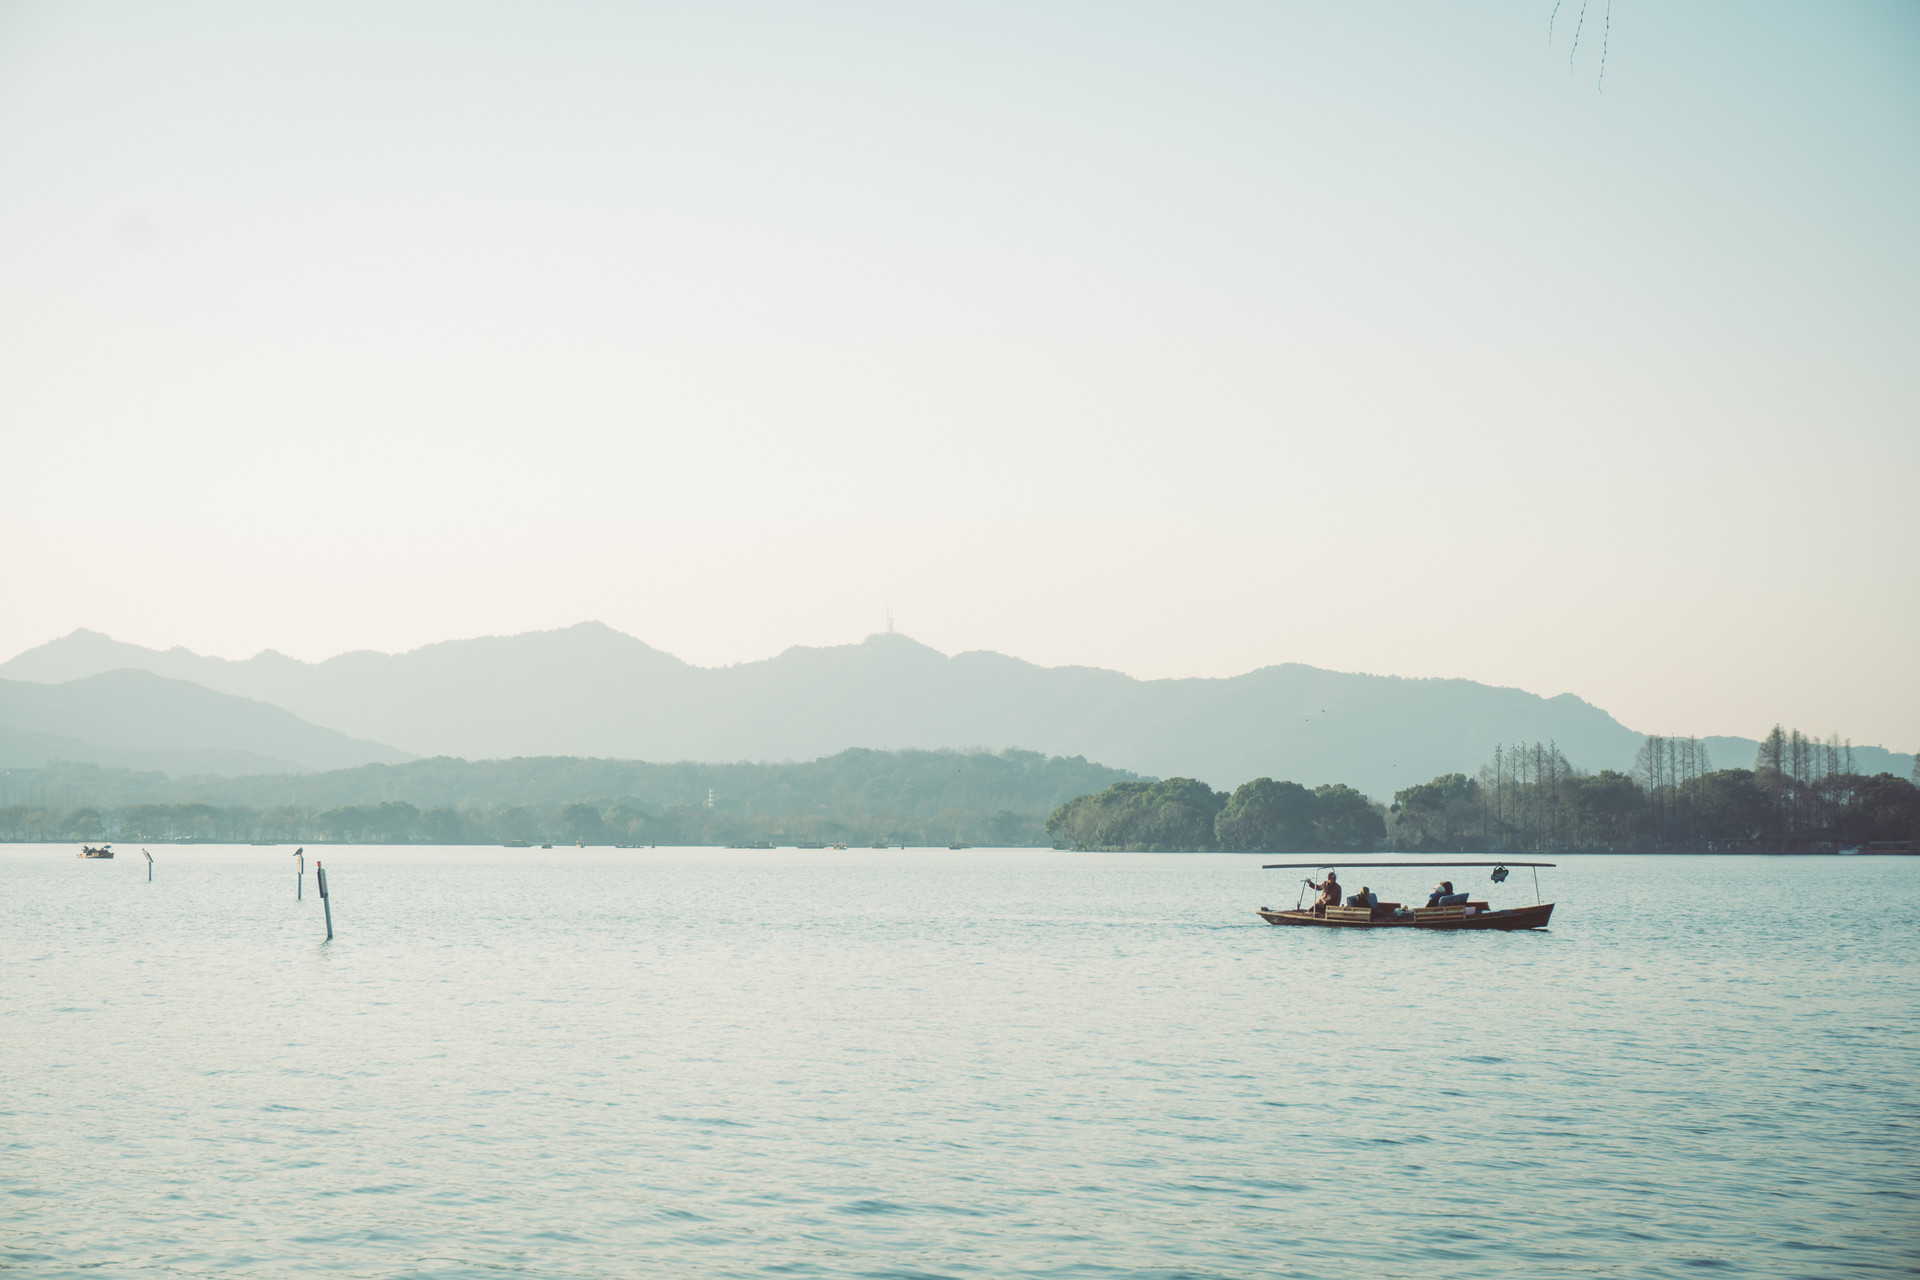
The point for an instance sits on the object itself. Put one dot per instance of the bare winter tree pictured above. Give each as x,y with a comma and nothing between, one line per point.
1649,770
1772,754
1539,774
1554,762
1500,789
1800,760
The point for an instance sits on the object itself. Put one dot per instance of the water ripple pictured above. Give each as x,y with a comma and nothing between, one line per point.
597,1063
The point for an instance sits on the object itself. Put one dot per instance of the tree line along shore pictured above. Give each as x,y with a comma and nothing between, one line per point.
1801,795
855,797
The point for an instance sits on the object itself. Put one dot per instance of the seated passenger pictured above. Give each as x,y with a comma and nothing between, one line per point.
1365,898
1442,890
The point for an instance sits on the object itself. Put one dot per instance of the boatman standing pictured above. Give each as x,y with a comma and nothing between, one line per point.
1329,890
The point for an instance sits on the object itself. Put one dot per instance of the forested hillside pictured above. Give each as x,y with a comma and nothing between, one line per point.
859,796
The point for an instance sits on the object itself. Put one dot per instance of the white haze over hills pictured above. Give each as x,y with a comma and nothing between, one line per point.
588,690
130,718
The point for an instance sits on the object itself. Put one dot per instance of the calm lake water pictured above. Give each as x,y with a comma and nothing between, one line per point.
932,1064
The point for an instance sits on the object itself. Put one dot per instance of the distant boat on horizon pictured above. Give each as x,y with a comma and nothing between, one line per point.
88,851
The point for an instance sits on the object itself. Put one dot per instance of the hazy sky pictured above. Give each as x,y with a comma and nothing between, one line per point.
1175,338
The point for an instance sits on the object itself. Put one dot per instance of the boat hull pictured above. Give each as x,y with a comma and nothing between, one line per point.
1534,917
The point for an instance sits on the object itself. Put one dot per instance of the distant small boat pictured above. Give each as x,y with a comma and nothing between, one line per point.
881,844
88,851
836,846
548,845
958,845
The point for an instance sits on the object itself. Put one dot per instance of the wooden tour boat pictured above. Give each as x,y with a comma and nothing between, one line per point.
88,851
1460,911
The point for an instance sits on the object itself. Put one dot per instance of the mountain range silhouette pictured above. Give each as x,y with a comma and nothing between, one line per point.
589,690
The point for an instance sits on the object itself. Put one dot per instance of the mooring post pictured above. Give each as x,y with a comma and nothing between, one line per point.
149,866
300,874
320,873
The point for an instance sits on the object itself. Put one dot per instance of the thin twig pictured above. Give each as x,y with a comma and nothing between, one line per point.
1576,34
1605,31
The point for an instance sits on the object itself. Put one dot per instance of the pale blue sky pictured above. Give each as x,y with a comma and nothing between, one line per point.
1180,339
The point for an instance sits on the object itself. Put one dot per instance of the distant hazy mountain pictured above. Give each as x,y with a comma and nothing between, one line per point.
590,691
24,749
138,720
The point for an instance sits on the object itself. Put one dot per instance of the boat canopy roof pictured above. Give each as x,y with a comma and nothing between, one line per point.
1315,866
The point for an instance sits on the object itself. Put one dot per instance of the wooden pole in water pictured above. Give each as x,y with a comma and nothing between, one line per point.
300,874
320,872
149,866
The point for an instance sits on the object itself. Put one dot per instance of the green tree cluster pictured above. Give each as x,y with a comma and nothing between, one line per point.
1171,816
1181,814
